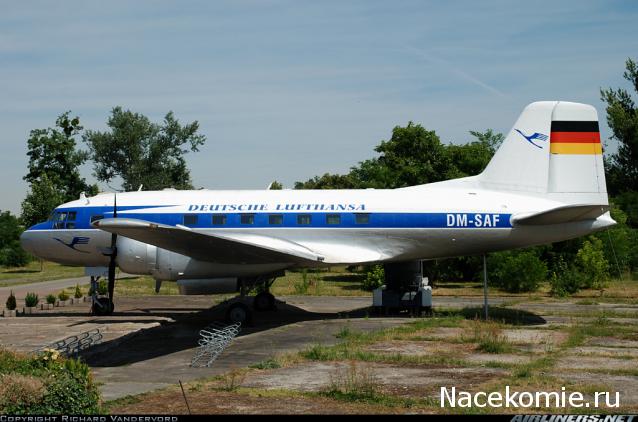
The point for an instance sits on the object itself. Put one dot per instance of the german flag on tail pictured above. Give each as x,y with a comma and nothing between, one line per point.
575,137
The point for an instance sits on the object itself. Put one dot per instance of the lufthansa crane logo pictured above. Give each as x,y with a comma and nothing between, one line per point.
533,137
75,241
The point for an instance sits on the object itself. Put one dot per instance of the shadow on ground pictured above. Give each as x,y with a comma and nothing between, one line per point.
504,315
183,332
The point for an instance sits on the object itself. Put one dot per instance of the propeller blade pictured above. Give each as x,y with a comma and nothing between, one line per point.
112,263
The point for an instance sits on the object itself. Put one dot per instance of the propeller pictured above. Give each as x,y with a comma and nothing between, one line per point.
113,255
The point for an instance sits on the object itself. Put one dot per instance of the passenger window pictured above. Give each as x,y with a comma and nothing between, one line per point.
247,219
362,218
219,219
190,219
275,219
303,219
333,219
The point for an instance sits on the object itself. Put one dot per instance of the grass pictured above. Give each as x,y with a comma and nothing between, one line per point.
271,363
143,286
331,282
32,274
489,337
355,383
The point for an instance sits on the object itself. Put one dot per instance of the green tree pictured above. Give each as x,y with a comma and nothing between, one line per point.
53,169
11,253
141,152
52,152
622,118
275,185
471,158
43,197
412,156
593,264
328,181
517,271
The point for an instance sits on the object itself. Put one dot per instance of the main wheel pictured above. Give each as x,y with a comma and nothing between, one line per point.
238,312
264,301
103,306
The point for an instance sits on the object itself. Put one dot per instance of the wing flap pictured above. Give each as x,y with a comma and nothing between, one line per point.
220,248
566,214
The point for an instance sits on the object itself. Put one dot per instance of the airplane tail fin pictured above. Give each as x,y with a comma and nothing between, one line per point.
554,151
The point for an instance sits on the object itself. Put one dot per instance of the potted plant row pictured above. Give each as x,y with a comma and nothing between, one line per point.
30,303
10,306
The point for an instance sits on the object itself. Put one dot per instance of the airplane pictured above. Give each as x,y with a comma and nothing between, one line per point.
545,183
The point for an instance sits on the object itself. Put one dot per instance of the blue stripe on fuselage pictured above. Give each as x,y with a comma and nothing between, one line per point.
318,219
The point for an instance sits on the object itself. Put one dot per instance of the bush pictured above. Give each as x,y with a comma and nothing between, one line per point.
51,299
78,292
592,263
375,277
11,303
517,271
565,279
20,392
102,288
46,384
31,300
301,287
63,295
13,255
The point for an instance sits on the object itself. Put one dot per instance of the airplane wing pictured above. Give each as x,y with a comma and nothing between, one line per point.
566,214
227,249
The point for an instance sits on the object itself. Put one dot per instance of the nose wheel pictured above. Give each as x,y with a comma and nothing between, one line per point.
238,312
102,306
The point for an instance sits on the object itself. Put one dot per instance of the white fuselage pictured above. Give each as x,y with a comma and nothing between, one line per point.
344,226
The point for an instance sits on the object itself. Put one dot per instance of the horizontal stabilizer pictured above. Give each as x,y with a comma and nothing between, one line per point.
229,248
566,214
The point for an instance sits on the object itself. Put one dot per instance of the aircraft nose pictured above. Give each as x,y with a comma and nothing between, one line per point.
28,242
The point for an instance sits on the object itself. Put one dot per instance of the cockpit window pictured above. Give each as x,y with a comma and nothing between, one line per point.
63,220
58,220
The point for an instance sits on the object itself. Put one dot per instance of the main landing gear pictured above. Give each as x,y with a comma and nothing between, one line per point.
240,307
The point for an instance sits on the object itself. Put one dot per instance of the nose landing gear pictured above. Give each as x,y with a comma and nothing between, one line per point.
100,305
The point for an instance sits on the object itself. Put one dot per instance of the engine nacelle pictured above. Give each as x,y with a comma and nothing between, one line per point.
208,286
135,257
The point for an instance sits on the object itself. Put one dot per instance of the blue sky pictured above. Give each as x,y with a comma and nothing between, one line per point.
287,90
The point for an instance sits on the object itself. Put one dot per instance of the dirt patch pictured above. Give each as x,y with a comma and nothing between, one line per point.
531,336
419,348
225,402
611,342
590,362
505,358
605,351
390,379
626,385
440,333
